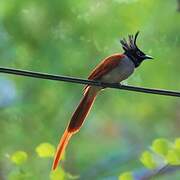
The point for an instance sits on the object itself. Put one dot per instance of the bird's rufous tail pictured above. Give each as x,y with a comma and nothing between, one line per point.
76,122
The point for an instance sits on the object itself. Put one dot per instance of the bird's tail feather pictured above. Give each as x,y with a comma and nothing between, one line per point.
76,122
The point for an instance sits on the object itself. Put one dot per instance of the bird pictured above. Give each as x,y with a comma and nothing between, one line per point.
112,69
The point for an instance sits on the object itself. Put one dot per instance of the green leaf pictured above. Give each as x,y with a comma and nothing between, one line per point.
58,174
147,159
177,143
173,157
19,157
45,150
126,176
160,146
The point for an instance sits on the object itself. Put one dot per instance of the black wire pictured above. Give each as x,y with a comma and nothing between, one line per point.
89,82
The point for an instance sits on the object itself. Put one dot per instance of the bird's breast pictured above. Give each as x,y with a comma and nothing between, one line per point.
124,69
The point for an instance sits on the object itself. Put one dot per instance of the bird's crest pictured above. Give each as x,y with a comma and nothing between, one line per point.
131,43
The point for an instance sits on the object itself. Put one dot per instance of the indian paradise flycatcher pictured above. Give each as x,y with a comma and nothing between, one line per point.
112,69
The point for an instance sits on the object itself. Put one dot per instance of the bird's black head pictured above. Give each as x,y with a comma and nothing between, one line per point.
132,51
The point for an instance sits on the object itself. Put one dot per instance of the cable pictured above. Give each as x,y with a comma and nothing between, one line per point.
53,77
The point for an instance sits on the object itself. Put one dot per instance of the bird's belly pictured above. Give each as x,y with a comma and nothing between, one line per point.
120,73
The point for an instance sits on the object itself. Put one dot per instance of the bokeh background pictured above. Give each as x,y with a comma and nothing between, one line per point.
69,38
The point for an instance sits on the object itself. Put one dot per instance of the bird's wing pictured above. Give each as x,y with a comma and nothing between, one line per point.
105,66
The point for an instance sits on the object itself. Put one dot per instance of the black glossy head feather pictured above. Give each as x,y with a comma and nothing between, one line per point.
131,44
132,51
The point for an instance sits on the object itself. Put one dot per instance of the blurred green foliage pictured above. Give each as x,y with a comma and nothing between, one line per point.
163,154
69,38
160,146
126,176
19,157
58,174
45,150
148,160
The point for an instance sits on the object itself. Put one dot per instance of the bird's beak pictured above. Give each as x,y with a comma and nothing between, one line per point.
148,57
